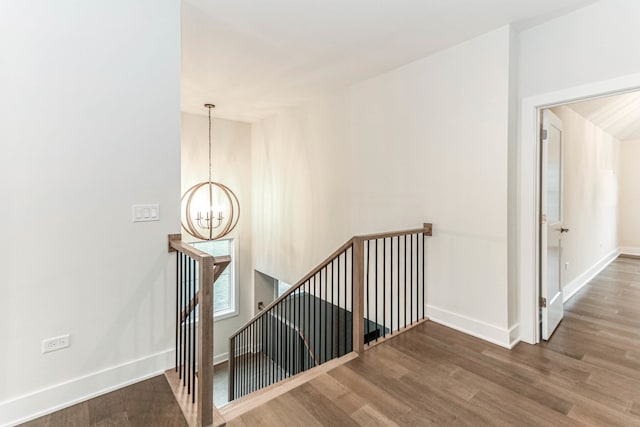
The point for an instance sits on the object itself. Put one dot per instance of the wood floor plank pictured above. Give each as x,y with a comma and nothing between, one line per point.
368,416
321,407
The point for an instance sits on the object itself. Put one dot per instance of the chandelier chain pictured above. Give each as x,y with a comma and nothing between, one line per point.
210,160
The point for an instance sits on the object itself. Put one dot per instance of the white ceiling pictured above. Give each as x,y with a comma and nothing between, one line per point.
618,115
254,57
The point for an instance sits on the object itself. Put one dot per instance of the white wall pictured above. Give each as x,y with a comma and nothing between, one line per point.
301,187
588,52
590,198
591,44
231,144
89,124
629,196
425,142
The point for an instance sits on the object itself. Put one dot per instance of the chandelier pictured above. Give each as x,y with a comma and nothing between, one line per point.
210,210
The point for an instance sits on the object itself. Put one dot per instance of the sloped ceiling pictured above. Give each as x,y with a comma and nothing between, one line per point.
254,57
618,115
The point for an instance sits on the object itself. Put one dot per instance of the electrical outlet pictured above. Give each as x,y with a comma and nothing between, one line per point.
566,266
55,343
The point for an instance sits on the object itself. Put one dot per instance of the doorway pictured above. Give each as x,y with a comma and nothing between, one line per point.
529,230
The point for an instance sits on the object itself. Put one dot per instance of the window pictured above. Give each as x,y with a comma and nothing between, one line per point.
282,288
224,291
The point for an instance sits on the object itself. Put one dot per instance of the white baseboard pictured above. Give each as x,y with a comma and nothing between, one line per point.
474,327
514,335
222,357
50,399
627,250
579,282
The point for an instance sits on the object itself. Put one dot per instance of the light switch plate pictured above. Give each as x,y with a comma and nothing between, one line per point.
145,213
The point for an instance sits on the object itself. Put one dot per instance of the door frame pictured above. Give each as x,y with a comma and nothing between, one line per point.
528,195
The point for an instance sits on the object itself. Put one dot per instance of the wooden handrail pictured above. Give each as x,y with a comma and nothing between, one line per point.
426,230
187,249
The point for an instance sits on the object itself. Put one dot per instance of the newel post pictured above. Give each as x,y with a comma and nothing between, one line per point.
358,295
205,343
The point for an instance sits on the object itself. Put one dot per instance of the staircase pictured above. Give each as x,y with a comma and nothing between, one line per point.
368,290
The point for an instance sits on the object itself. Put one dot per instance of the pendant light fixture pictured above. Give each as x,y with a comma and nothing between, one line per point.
210,210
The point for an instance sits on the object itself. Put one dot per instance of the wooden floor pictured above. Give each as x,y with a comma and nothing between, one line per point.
147,403
587,374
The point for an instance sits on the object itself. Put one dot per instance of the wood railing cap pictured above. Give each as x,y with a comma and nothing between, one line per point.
177,245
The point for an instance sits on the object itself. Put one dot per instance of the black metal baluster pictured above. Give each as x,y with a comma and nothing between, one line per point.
316,317
391,286
231,371
187,319
243,366
247,373
417,281
263,320
272,334
257,350
290,332
183,291
375,281
250,371
405,281
287,356
299,320
343,312
193,341
188,329
384,287
254,354
411,279
398,283
281,342
297,329
367,289
424,264
308,311
326,313
278,332
333,330
339,331
258,354
352,282
177,305
285,333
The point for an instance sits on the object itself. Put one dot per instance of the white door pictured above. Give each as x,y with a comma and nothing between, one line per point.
551,224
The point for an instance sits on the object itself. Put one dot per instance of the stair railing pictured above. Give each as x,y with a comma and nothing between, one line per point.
369,289
192,378
394,282
306,326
